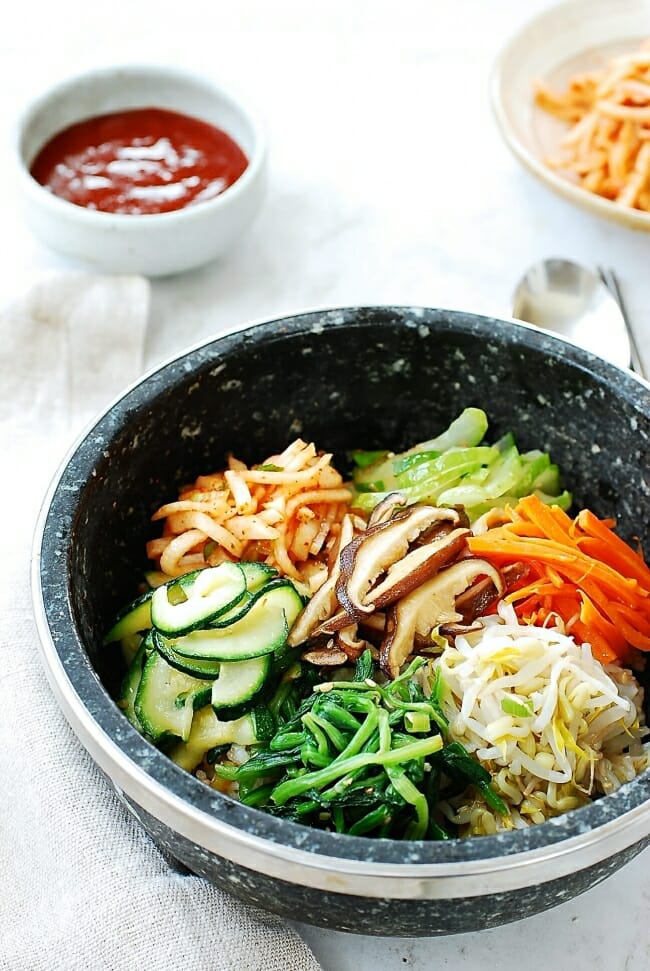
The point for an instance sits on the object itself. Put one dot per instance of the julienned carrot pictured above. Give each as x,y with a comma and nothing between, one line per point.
587,575
631,632
593,619
634,617
566,560
624,554
565,520
600,646
599,549
536,512
523,528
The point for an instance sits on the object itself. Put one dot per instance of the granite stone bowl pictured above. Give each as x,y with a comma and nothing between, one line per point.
370,377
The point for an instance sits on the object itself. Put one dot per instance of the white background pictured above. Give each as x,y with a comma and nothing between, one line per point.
389,183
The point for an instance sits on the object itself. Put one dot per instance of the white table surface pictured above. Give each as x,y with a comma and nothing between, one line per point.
389,183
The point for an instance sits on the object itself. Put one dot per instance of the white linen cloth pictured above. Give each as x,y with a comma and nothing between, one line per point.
81,885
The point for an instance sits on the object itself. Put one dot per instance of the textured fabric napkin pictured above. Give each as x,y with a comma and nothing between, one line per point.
81,885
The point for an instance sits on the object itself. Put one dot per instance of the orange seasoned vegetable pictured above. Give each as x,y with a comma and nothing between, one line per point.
286,512
606,150
585,574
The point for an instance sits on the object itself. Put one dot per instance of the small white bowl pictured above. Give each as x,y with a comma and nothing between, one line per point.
154,244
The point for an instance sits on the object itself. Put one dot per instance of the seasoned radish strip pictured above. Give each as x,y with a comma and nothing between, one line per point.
324,602
172,554
285,512
244,502
303,537
214,531
156,547
286,478
211,502
319,496
247,528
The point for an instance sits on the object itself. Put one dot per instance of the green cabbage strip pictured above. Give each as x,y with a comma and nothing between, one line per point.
459,468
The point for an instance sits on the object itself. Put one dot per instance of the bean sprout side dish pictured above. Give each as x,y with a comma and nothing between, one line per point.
433,648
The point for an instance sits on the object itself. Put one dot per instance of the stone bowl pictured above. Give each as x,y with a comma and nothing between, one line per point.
357,377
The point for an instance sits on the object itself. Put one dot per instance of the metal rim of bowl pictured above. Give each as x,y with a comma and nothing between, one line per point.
286,850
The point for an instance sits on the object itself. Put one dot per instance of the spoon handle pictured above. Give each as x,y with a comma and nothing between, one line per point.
610,280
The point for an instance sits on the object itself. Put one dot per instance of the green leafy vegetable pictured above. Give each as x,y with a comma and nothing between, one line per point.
364,667
363,758
458,760
459,468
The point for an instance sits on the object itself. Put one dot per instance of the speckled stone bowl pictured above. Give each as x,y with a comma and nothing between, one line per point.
369,377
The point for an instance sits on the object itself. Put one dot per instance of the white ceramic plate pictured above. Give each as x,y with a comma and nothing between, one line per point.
578,35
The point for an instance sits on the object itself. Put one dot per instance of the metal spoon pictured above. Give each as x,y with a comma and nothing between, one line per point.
563,296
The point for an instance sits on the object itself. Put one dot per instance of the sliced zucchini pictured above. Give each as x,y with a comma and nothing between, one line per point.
281,594
198,668
156,578
129,647
262,630
199,697
208,593
180,585
247,638
133,619
130,685
236,613
207,732
166,699
257,574
239,681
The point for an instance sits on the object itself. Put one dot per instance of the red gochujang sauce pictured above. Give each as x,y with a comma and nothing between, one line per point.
139,161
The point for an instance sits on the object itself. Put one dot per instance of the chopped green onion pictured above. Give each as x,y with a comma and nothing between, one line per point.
521,709
417,721
363,459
